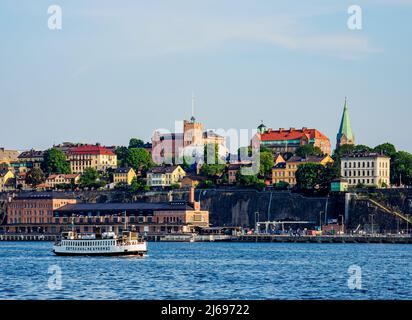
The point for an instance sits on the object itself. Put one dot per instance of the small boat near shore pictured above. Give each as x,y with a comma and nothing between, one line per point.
72,243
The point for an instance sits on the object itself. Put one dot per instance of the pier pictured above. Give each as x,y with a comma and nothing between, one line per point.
324,239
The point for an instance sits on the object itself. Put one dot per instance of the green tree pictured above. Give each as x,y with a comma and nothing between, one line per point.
361,148
138,185
135,143
35,177
213,166
55,162
267,162
121,153
91,179
386,149
402,168
308,150
281,185
139,159
315,178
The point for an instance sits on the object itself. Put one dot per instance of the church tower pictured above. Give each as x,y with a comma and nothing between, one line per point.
345,135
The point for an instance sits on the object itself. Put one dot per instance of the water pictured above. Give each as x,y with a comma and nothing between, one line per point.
210,271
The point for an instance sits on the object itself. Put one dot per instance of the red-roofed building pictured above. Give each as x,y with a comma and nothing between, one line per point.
283,140
91,156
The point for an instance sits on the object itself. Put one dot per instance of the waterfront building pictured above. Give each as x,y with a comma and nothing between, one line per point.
124,175
286,171
345,134
33,212
91,156
8,156
289,140
7,180
54,212
54,180
165,176
366,168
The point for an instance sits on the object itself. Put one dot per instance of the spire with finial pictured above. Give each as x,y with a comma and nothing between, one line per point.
345,135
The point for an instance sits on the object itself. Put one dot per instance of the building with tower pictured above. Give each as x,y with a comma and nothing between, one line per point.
345,134
166,147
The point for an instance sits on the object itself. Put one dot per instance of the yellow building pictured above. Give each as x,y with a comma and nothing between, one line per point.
91,156
286,171
6,176
165,176
124,175
58,179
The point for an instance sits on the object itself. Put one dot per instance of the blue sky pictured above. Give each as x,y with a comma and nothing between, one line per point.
121,69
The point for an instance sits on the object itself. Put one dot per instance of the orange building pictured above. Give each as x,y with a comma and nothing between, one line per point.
289,140
33,212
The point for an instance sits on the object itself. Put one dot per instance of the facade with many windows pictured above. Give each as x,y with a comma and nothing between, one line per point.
33,212
289,140
165,176
91,156
369,169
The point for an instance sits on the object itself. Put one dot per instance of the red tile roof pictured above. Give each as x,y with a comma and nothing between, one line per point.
90,149
292,134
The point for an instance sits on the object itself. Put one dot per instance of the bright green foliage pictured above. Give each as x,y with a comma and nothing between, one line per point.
139,159
55,162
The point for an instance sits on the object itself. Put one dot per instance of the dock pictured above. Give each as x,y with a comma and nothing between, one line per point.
324,239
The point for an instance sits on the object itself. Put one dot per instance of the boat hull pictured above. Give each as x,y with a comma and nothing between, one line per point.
124,253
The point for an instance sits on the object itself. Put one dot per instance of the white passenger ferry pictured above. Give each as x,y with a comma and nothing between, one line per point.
72,243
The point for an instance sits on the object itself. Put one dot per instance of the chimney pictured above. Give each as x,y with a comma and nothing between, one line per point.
192,195
281,129
292,129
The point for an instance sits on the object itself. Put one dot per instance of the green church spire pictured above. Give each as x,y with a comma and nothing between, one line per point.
345,135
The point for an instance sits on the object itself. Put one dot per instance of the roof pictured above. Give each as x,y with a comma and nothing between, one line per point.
67,176
292,134
31,154
211,134
123,170
195,177
163,169
44,195
90,149
3,172
365,155
119,207
345,127
312,159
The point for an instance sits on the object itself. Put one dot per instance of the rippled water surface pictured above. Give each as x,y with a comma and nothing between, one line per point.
210,271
